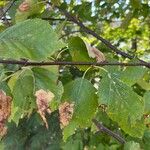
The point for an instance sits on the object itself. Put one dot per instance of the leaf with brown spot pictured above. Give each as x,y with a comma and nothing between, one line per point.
65,113
43,99
24,6
28,8
5,111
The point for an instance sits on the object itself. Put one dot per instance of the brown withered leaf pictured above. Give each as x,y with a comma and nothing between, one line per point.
5,111
95,53
43,99
65,113
24,6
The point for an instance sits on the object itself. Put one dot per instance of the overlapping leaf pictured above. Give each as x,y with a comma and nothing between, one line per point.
33,39
146,139
78,51
22,86
145,81
31,134
28,8
131,75
82,93
147,102
132,146
47,80
124,106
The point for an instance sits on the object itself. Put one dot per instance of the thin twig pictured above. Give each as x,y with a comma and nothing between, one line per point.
102,128
49,63
53,19
4,13
46,18
5,20
91,32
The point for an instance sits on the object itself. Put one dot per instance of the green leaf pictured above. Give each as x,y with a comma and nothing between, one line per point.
33,39
124,106
31,134
69,130
132,146
147,102
43,138
5,88
13,79
60,28
146,139
47,80
74,142
82,93
127,20
145,81
144,84
23,95
56,2
78,51
102,147
132,74
35,7
84,11
15,139
136,4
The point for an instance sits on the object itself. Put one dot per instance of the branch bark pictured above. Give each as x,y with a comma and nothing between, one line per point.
49,63
7,9
102,128
86,29
91,32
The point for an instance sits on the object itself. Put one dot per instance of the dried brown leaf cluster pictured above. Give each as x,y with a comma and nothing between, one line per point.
65,113
43,98
24,6
5,111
